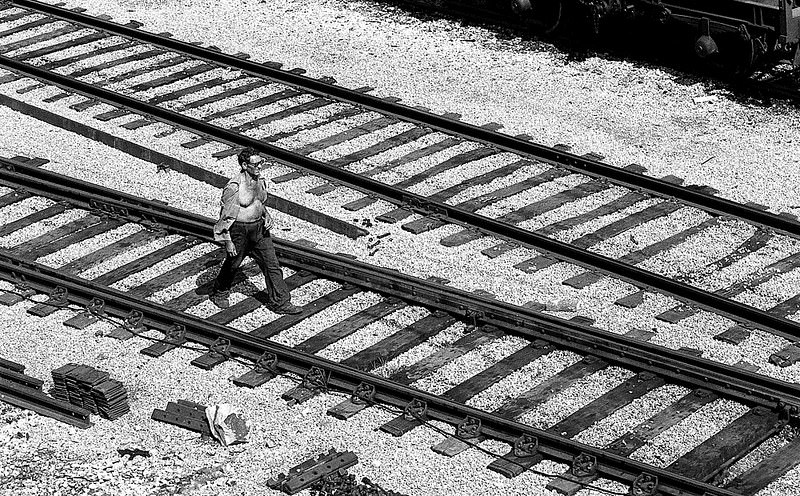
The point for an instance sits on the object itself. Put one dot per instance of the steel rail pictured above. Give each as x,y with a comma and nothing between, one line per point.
594,262
686,369
652,186
35,400
341,377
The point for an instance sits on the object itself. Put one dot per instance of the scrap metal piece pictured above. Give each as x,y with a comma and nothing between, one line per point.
186,414
313,470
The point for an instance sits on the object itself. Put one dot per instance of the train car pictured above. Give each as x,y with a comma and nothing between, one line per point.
742,32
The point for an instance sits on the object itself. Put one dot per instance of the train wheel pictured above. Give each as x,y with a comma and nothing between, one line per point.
543,15
549,14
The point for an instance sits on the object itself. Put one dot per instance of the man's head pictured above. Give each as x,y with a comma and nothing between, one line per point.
250,161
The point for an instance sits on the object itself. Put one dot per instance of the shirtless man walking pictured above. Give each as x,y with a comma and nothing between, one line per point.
243,226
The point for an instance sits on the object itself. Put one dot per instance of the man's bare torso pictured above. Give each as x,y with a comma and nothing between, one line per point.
250,207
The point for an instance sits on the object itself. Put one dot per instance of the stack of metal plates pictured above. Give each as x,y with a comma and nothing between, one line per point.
111,399
90,389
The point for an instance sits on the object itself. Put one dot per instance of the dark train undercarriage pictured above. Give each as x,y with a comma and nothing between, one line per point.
742,33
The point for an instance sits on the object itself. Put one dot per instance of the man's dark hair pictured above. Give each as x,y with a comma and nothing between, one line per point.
244,155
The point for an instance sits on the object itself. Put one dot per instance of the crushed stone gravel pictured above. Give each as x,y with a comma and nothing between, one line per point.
635,114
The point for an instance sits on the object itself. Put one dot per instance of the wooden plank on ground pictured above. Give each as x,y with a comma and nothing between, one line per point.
351,133
761,276
399,342
258,299
412,134
282,114
145,261
201,292
466,236
626,224
343,114
227,93
619,397
37,38
633,258
661,421
309,309
90,231
32,245
55,64
26,26
75,42
438,359
517,405
767,470
429,223
618,204
33,218
730,444
409,157
247,106
167,63
115,62
351,324
13,17
8,364
508,365
188,90
173,77
449,164
178,273
495,196
13,197
89,260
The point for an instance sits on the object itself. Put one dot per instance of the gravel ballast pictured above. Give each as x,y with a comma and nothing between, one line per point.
626,111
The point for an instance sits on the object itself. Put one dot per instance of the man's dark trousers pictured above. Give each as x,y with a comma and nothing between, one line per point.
250,238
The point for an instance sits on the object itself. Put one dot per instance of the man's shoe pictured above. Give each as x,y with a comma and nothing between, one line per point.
288,308
220,299
205,289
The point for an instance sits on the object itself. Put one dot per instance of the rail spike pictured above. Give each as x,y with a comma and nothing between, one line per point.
526,446
470,428
363,394
584,465
644,485
416,409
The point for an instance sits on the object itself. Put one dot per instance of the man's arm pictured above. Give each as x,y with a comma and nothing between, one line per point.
228,212
262,196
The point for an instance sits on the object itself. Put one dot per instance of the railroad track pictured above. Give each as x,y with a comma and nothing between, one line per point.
404,157
164,295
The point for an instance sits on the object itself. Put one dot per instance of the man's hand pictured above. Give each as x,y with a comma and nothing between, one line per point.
269,223
230,248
